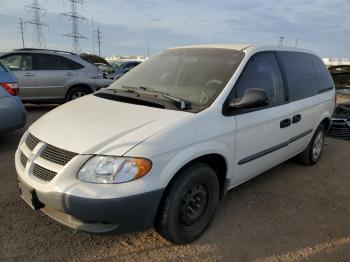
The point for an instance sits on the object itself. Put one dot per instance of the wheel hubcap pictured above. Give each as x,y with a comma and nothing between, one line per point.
78,94
193,204
317,146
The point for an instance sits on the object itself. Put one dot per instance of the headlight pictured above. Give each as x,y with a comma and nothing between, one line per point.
113,170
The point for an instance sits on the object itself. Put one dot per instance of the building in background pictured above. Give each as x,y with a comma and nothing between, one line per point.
331,61
117,59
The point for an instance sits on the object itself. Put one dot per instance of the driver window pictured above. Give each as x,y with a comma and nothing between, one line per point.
262,71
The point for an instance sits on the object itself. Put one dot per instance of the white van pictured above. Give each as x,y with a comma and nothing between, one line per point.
163,144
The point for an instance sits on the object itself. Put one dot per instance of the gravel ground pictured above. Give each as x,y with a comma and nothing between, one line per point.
290,213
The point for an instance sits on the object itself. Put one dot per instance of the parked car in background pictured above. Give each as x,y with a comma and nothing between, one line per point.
105,67
163,144
123,69
12,112
53,76
340,125
341,77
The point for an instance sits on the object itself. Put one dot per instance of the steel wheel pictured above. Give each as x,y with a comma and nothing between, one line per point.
193,205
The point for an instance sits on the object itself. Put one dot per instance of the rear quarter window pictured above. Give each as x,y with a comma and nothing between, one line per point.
324,78
300,74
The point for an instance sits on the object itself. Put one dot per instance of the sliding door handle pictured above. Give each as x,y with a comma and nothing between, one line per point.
296,118
285,123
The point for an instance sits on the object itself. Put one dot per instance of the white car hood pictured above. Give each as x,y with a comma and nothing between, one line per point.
93,125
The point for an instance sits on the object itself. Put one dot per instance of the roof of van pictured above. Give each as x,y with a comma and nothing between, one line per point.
247,47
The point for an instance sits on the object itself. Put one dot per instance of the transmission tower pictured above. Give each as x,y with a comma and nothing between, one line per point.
280,42
98,40
74,16
37,12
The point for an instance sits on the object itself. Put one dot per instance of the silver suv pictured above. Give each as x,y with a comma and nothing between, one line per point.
53,76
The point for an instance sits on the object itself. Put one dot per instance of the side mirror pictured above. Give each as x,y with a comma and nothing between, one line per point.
254,97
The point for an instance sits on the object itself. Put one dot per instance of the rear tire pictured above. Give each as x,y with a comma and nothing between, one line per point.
312,153
76,92
189,205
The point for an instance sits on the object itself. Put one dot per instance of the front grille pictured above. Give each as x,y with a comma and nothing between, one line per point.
57,155
23,159
32,142
43,173
50,153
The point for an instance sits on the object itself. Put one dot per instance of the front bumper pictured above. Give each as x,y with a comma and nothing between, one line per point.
89,207
133,213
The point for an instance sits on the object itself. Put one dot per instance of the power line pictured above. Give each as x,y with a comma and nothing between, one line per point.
98,40
37,12
74,16
21,28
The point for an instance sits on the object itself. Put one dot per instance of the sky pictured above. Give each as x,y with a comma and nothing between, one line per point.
127,27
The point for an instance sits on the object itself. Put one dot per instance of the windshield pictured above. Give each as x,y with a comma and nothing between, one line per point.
196,75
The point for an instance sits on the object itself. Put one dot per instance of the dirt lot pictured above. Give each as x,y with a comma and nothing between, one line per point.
291,213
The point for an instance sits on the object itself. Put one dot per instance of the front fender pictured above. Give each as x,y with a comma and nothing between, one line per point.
169,164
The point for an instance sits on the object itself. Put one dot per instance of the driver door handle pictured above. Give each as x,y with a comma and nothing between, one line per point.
28,74
285,123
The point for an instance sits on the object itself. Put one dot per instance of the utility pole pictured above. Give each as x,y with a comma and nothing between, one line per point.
93,35
21,28
281,38
37,12
74,16
98,40
296,42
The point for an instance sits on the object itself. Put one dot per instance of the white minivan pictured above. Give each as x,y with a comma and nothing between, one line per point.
164,143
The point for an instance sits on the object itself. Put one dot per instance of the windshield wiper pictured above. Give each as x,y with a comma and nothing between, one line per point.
180,103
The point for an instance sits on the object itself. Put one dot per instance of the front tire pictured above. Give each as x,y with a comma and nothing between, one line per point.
189,204
313,152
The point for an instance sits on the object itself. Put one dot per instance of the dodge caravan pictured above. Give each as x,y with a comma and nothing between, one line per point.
164,143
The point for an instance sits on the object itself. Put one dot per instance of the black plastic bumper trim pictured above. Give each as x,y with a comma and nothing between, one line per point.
132,213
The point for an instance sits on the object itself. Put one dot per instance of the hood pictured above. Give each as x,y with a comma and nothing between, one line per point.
93,125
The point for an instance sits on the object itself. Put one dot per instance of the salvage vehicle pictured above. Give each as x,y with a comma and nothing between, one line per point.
340,124
164,143
12,112
51,76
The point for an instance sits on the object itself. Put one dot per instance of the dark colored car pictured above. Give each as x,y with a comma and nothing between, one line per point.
12,112
124,68
340,126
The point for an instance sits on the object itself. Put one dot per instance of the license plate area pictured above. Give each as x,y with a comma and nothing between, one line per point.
29,196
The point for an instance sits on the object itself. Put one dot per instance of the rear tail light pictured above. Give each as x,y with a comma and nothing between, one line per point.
11,88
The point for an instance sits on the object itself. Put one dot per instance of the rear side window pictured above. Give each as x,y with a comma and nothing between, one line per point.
324,79
300,74
54,62
18,62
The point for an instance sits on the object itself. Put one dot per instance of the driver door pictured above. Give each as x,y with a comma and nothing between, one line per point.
262,133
